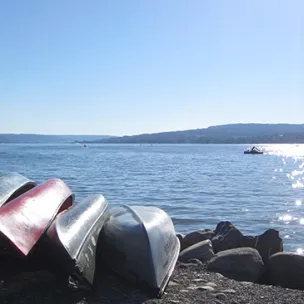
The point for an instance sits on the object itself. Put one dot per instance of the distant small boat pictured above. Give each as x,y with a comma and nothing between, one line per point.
72,238
12,185
140,244
253,150
25,219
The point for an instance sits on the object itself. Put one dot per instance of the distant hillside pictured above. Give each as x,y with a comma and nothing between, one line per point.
39,138
232,133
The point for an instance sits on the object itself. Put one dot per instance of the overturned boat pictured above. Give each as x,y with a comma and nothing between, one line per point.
72,238
13,184
26,218
140,244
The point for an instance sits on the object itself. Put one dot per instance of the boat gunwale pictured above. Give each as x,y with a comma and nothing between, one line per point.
26,182
14,194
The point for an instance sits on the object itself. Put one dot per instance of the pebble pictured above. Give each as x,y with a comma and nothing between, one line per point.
192,286
195,261
247,283
218,301
211,284
199,280
228,291
184,290
221,296
174,301
185,266
171,283
209,288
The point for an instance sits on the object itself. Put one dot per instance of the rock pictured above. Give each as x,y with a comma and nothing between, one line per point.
285,269
201,251
249,241
241,264
196,237
180,237
266,244
269,243
227,236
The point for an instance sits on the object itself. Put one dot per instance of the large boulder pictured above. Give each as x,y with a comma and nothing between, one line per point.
266,244
196,237
241,264
227,236
202,251
285,269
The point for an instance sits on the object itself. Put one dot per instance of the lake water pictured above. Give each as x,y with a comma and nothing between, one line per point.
197,185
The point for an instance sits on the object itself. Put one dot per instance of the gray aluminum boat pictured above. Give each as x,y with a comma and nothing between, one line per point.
140,244
13,184
72,238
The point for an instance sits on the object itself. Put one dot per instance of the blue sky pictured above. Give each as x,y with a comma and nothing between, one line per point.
127,67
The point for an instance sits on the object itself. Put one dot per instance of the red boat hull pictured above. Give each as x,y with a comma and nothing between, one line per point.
25,219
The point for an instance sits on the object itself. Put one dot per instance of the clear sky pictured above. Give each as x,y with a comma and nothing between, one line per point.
126,67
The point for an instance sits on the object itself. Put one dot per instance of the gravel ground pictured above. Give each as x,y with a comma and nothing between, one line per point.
190,283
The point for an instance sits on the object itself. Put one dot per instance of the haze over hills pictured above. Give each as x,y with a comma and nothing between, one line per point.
40,138
231,133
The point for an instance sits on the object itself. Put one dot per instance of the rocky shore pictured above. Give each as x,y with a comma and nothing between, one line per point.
220,266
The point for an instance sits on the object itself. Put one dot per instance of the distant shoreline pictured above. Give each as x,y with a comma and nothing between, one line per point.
224,134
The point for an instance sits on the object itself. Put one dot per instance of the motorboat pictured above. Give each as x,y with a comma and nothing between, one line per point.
139,243
13,184
71,240
27,217
253,150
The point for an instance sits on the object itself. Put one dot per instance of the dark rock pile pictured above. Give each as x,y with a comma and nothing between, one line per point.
259,259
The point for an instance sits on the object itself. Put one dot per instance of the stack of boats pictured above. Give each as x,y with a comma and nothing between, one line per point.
43,227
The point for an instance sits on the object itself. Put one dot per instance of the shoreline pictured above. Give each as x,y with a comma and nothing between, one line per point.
187,285
193,280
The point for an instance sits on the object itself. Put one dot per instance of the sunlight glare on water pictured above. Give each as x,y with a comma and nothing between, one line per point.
292,158
286,150
285,218
295,152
